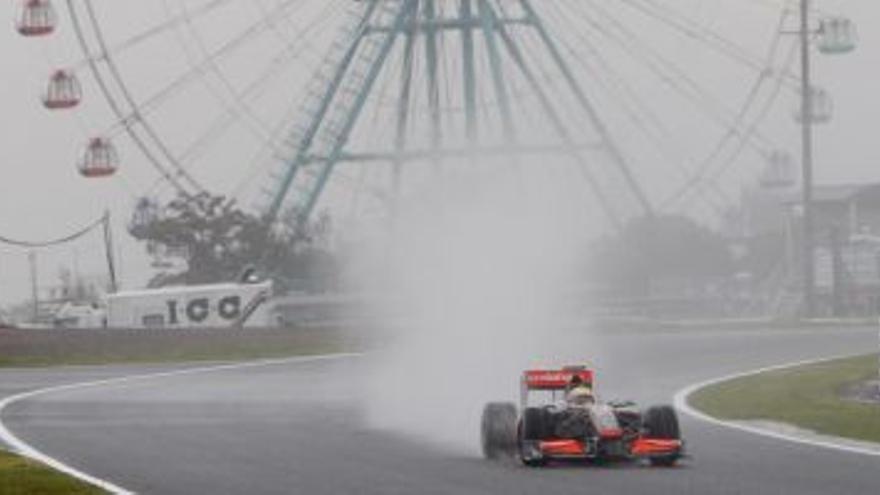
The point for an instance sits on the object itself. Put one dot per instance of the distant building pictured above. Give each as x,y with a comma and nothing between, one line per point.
847,209
847,240
766,232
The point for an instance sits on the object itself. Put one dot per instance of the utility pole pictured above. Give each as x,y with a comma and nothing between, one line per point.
809,268
838,283
109,252
35,294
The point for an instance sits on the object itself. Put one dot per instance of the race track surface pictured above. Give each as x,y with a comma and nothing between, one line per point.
286,428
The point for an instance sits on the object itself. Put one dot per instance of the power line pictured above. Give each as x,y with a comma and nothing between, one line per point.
55,242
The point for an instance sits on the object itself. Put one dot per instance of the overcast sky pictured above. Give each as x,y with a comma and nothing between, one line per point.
41,196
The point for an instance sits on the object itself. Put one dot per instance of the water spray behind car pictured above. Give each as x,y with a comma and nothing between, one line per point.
477,271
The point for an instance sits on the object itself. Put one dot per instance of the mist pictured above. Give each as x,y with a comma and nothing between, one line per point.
475,274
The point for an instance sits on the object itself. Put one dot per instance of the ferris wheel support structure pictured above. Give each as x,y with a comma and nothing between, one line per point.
322,139
382,49
469,70
559,126
605,134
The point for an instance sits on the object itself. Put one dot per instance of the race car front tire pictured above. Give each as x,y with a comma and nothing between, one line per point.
498,430
661,422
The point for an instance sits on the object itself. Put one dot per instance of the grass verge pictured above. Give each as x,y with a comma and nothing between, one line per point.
33,348
808,397
20,476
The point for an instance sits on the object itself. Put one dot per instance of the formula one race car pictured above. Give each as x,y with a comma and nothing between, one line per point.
548,426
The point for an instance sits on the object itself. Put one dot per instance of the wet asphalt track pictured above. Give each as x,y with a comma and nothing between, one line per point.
276,429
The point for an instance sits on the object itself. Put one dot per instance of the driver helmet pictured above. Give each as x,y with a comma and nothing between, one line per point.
580,396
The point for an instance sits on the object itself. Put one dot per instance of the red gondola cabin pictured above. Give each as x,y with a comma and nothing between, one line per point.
37,18
63,91
99,160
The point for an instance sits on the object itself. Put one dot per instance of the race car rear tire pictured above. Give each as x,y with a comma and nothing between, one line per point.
661,422
537,424
498,430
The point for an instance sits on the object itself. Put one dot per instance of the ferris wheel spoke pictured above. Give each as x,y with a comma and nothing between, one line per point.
116,74
587,106
223,123
673,76
120,48
738,136
293,47
116,106
627,98
173,171
712,177
637,111
663,68
558,124
232,111
300,33
209,63
228,95
694,30
229,117
761,115
164,94
773,5
702,173
133,118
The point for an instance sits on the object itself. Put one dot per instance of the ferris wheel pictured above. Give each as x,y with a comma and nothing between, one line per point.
297,105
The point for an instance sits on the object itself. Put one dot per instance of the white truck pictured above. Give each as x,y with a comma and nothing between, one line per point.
201,306
72,315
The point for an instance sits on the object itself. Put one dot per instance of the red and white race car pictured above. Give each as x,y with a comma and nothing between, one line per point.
544,427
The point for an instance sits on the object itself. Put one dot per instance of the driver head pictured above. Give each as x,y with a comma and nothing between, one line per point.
580,396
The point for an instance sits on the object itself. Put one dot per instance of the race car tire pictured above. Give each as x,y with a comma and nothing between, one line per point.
662,422
498,430
534,463
537,424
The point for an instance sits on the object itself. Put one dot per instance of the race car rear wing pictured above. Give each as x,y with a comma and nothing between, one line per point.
555,379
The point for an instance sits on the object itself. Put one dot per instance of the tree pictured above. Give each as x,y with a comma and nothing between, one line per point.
216,241
660,250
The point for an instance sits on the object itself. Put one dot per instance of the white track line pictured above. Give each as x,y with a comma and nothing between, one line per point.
20,447
682,396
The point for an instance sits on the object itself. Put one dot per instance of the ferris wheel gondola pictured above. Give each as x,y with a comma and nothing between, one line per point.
837,35
822,106
99,160
63,91
780,171
37,18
